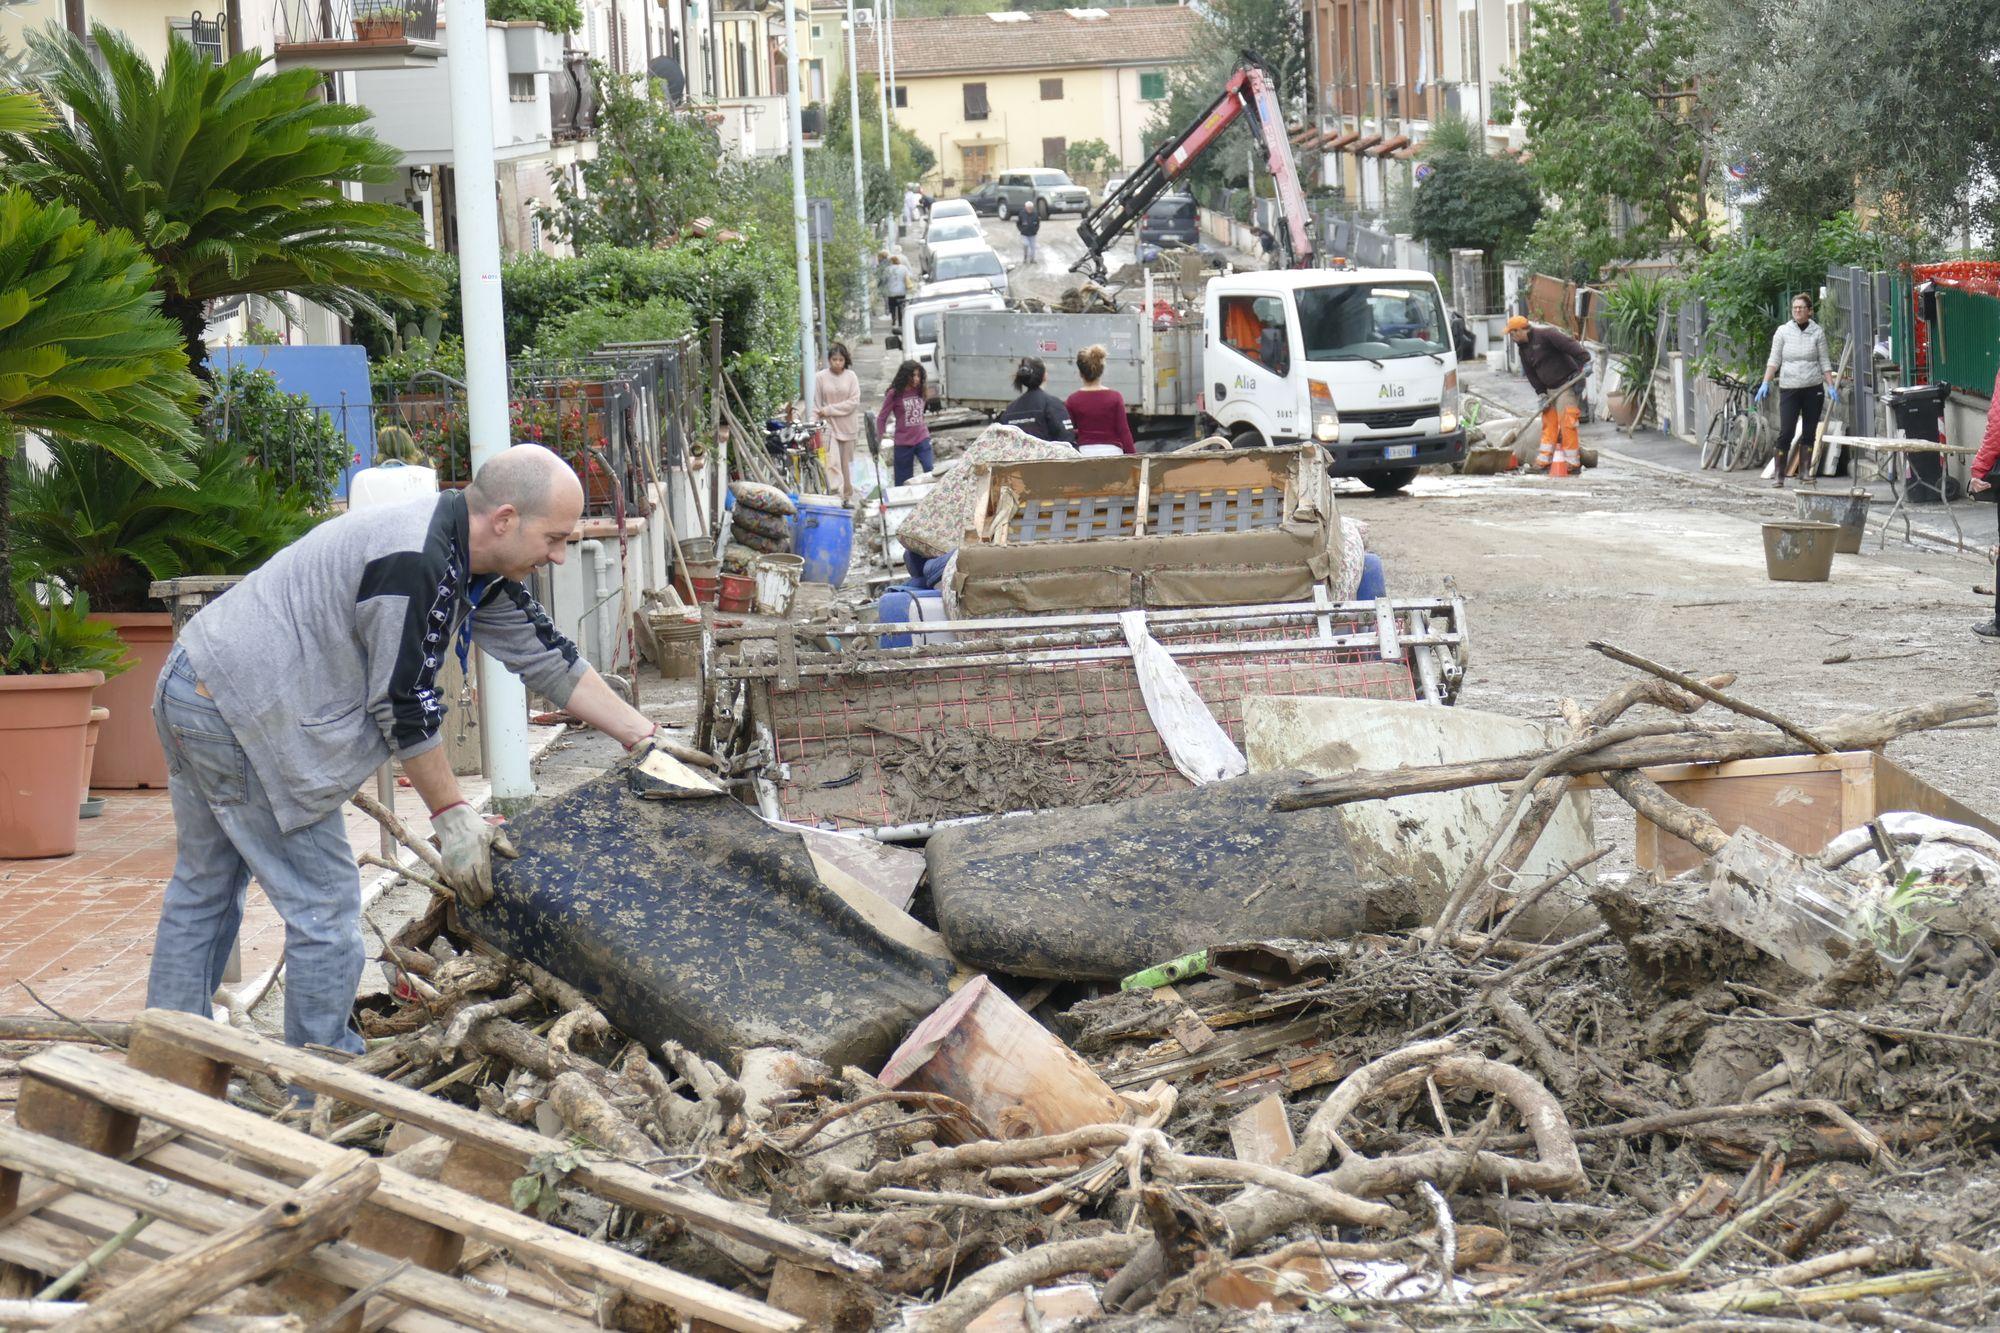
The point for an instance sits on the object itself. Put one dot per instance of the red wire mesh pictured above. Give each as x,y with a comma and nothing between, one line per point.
831,734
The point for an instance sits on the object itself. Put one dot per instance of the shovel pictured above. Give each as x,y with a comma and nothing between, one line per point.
881,486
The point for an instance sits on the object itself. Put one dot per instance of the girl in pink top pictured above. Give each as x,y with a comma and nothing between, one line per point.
903,408
837,392
1098,412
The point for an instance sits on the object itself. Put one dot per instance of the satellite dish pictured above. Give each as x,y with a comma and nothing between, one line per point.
668,70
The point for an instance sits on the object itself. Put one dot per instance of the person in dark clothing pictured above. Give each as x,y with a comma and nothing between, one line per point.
1037,412
1551,358
1029,223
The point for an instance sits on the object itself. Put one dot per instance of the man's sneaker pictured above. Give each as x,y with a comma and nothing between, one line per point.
1990,630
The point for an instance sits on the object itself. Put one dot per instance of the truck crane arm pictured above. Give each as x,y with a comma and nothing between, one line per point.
1249,91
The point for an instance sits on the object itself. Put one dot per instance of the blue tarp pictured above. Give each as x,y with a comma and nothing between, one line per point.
333,379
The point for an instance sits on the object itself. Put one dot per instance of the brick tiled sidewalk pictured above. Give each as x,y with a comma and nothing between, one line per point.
79,929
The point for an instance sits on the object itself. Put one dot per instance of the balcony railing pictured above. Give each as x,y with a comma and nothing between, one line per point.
363,22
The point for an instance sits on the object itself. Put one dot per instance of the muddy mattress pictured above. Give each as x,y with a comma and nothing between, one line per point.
1105,890
695,921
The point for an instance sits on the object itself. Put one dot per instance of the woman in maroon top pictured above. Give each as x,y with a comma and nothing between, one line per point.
1098,412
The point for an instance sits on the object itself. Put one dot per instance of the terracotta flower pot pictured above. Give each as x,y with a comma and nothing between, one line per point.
97,716
128,751
42,724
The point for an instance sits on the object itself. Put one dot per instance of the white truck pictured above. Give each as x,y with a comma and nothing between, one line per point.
1357,361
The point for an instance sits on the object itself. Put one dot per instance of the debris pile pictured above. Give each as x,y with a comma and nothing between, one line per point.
1672,1118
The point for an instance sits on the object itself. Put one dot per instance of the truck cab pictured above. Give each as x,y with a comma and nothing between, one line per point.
1359,361
918,337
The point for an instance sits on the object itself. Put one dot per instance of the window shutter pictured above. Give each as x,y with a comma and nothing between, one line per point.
1052,90
975,101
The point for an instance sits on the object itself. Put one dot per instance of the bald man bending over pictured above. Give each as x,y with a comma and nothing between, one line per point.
282,697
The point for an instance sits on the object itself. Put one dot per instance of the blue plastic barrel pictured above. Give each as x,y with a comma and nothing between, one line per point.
824,536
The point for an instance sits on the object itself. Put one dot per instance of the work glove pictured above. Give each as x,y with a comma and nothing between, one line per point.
467,844
1763,391
1833,394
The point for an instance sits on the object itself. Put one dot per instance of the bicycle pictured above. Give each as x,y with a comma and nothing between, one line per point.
1735,435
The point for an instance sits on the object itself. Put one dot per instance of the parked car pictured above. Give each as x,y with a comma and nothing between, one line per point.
985,199
1111,187
949,232
951,208
917,339
1172,219
965,260
1053,190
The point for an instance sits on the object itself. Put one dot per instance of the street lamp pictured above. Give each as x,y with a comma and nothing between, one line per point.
799,238
860,193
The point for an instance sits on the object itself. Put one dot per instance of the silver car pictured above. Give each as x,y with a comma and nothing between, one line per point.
968,259
1052,190
944,232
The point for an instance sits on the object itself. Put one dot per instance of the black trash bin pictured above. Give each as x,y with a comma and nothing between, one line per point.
1919,414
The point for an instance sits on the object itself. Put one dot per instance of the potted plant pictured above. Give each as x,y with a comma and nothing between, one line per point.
381,23
98,368
1632,314
55,658
89,523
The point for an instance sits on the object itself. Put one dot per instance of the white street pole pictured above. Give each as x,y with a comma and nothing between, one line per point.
882,82
860,193
503,699
799,243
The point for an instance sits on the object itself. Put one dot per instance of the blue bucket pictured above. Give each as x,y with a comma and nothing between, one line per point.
824,536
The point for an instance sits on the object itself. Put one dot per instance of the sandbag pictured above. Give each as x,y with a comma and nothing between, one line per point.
695,921
764,525
758,495
757,541
1105,890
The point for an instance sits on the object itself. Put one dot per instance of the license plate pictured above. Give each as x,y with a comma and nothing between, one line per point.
1400,451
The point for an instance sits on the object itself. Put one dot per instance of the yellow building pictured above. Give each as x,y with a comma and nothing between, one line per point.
994,92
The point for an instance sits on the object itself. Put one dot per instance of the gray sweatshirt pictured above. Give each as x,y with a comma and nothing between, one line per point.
324,662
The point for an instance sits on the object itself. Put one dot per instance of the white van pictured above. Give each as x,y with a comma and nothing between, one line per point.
921,317
1359,360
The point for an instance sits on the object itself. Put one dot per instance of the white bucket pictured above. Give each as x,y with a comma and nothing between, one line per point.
1100,451
777,582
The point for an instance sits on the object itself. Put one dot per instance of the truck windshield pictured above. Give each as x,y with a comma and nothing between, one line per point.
926,329
1365,321
982,264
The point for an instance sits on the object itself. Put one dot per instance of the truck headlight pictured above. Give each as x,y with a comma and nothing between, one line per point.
1326,421
1326,427
1447,422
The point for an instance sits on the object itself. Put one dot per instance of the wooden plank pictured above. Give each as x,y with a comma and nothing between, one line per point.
51,1314
617,1181
147,1053
1237,1046
256,1139
980,1047
62,1114
1262,1133
260,1244
52,1249
197,1210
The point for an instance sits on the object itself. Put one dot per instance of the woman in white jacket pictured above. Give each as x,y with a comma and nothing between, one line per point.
1804,372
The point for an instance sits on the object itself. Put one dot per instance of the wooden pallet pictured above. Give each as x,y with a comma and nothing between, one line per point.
97,1142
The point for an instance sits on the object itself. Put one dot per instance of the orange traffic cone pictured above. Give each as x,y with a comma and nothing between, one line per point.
1559,466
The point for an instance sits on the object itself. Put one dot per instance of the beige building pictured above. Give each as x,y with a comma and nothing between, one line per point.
994,92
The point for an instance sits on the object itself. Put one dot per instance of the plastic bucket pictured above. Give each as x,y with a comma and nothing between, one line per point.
704,578
737,592
777,582
823,535
680,648
1849,510
1798,550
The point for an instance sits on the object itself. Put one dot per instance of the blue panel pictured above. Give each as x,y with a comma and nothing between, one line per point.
333,379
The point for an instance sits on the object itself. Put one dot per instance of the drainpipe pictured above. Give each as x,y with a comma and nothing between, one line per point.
590,625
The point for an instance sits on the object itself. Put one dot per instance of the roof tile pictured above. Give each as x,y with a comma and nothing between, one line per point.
1047,39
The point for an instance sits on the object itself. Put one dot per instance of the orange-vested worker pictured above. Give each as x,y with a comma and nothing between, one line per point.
1550,358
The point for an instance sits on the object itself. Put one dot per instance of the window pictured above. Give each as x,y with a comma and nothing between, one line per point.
1052,90
816,32
1468,45
1254,327
975,101
1153,86
520,87
816,81
1517,30
1359,321
204,34
901,98
1055,153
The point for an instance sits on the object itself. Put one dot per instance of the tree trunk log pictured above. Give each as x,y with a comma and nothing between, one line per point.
1866,732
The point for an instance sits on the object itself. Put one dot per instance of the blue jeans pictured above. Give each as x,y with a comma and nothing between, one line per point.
225,833
906,460
1374,584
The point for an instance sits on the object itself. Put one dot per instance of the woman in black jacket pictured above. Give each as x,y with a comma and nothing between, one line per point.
1040,414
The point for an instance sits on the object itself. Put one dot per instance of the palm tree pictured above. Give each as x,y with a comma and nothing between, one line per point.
85,354
230,180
